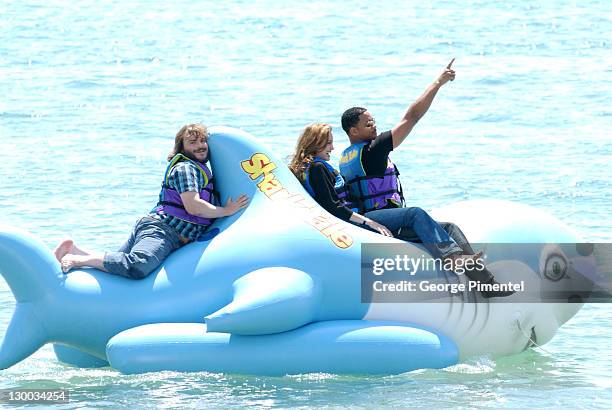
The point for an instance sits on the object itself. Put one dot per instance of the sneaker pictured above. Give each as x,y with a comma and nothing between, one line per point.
488,294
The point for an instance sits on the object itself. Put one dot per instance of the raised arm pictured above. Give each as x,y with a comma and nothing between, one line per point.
418,108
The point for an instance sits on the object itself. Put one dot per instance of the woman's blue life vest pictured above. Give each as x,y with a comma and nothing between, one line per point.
370,192
339,185
170,202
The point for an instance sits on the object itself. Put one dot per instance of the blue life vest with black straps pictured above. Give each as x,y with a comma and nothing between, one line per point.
370,192
339,185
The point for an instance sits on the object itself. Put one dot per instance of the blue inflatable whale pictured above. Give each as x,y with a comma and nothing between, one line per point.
277,291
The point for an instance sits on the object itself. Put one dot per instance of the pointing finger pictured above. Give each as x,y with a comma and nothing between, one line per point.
451,63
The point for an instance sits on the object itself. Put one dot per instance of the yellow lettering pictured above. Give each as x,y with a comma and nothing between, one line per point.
269,185
258,164
328,231
280,194
341,239
300,201
320,222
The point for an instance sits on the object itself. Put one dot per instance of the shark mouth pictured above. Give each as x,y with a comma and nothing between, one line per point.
533,339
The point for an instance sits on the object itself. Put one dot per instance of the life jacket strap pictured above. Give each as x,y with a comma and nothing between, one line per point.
391,191
366,177
172,204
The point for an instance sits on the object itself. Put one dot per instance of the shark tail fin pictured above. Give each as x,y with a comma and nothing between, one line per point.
24,336
27,265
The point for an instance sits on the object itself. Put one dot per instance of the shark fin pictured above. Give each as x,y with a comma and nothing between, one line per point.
266,301
24,336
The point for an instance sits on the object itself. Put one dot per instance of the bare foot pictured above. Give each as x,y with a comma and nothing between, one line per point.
70,261
63,248
66,247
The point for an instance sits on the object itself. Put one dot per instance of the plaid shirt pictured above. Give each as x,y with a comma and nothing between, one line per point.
185,177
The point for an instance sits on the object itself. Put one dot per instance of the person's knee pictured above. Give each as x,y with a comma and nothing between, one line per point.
416,210
141,264
139,272
416,214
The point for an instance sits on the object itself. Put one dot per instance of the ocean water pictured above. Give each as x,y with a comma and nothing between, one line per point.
92,94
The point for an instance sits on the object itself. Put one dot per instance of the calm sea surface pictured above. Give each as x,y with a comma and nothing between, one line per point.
92,94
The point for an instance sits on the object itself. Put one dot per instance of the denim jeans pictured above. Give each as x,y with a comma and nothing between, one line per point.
441,239
151,241
415,223
458,236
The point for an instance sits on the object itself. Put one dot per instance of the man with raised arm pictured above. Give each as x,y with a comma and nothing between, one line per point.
365,165
373,179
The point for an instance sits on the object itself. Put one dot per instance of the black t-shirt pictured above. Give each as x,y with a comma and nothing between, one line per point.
376,154
322,182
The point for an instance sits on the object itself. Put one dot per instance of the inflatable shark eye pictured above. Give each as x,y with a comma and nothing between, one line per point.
555,267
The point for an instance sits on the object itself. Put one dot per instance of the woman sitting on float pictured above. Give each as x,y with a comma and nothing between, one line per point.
310,165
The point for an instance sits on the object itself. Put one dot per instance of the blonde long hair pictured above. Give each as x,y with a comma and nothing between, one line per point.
313,139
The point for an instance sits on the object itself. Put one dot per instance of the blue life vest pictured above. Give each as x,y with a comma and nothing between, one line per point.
339,185
370,192
170,202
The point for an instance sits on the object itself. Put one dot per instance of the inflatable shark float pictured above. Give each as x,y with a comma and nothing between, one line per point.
278,290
